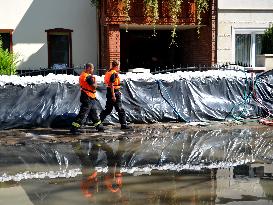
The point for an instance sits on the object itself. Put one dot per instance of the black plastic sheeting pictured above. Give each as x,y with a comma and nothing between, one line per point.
207,99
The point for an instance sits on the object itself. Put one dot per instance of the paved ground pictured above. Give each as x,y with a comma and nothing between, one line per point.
49,135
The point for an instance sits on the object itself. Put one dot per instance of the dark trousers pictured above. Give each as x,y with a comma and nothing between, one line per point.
88,108
110,104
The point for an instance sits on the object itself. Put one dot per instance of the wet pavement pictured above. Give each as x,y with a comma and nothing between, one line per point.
62,135
162,163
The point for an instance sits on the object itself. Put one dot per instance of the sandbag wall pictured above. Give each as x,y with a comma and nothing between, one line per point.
49,105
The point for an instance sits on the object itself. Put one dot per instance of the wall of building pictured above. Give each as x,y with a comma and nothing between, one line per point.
240,14
199,51
30,18
197,48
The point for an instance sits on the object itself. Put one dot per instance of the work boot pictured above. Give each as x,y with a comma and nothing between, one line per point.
100,128
75,128
74,131
126,127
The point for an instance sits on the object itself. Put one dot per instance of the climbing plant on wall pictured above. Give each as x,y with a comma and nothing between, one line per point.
202,6
151,11
127,6
174,7
174,11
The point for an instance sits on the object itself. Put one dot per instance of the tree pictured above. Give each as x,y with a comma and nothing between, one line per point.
8,61
267,41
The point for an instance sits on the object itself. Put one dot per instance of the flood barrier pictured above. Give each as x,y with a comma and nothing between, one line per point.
197,99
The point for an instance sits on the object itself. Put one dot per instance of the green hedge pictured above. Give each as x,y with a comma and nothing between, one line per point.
8,61
267,41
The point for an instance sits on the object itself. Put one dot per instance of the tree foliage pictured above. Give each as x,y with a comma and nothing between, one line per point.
267,41
8,61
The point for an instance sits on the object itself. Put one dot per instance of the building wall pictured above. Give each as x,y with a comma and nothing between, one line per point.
30,19
251,15
197,49
200,51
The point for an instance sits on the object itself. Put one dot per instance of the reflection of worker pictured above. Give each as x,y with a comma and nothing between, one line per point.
88,100
113,95
94,182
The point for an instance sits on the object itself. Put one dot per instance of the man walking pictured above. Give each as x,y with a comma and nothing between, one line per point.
113,95
88,101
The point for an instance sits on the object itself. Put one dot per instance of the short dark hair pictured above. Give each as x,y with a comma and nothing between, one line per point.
89,65
115,63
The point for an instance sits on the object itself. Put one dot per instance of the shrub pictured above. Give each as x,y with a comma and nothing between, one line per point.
267,41
8,61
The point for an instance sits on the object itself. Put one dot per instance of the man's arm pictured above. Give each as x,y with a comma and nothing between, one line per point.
112,80
91,81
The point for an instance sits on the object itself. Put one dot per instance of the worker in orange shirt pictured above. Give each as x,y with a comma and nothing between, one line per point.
88,100
113,95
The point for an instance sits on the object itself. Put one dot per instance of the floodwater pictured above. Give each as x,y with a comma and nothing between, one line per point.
154,165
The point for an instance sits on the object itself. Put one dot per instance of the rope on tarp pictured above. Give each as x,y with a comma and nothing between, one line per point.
169,101
248,94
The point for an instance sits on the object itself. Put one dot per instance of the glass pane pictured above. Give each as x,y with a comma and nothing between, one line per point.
5,37
258,46
59,51
242,49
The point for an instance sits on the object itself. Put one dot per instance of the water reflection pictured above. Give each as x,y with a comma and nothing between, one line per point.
157,167
216,186
244,184
161,149
94,182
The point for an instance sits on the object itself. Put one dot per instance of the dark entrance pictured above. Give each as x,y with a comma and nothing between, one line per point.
140,49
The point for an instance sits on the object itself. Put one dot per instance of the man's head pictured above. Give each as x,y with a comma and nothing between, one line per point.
89,68
115,65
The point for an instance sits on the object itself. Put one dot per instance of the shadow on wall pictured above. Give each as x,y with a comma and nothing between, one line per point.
31,30
42,15
37,57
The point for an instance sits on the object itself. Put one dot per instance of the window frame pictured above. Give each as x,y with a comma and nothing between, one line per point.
60,30
10,31
247,30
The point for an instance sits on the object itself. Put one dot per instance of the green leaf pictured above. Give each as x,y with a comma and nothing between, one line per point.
8,61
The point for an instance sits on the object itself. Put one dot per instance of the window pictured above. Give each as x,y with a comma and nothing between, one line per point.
247,45
242,49
59,43
6,37
258,46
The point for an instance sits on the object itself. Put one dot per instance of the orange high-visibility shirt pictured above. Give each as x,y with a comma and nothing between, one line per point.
85,87
107,77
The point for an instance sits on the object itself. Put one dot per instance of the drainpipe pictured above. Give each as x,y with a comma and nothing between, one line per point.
98,34
100,44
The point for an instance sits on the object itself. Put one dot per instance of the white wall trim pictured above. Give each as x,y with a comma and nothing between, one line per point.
233,44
